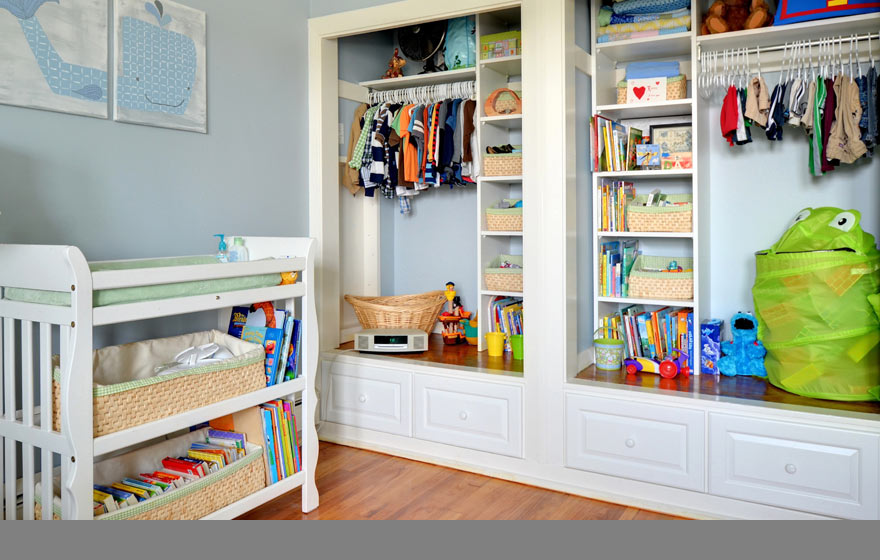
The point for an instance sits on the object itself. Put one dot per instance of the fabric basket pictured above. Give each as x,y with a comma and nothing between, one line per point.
661,218
417,311
504,279
661,285
498,165
676,88
504,219
127,392
192,501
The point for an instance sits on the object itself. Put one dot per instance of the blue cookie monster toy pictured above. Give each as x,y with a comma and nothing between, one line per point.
744,355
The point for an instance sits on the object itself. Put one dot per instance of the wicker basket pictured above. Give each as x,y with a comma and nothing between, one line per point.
195,500
417,311
661,218
142,397
661,285
502,165
504,279
505,219
676,88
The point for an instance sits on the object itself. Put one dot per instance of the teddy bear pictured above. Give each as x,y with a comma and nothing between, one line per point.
395,66
744,355
736,15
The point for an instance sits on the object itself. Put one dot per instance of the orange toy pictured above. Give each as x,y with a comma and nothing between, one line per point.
736,15
395,66
269,310
453,328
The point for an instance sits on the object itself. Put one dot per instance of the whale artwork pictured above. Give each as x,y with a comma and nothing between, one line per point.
54,55
160,65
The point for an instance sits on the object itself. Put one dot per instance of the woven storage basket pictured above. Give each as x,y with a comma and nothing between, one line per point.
505,219
504,279
195,500
661,218
497,165
417,311
661,285
143,397
676,88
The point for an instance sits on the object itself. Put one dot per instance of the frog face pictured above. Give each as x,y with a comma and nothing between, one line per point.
825,229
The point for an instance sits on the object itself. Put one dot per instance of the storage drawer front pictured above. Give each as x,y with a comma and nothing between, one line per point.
820,470
368,397
476,415
632,440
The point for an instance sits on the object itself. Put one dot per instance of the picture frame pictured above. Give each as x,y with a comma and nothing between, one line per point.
673,137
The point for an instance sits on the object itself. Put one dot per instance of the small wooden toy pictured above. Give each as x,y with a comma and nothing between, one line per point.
452,319
668,368
395,66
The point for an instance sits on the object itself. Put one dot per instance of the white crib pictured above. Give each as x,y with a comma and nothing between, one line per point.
27,334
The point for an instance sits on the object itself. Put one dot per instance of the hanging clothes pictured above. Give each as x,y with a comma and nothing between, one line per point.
730,116
350,175
758,102
845,143
827,122
816,149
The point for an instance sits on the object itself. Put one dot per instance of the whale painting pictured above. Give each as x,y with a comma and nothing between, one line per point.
54,55
160,65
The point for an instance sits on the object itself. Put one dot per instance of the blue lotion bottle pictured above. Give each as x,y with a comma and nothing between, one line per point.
238,252
222,253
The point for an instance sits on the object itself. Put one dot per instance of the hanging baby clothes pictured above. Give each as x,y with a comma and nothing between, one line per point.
775,120
743,135
827,121
796,102
730,116
816,139
868,122
758,102
844,143
350,175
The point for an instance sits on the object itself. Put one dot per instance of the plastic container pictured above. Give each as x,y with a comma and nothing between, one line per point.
238,252
609,351
516,345
495,341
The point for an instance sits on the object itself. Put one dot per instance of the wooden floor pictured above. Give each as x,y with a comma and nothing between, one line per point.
358,484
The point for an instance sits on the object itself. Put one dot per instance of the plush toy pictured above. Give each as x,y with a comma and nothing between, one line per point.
395,66
736,15
744,355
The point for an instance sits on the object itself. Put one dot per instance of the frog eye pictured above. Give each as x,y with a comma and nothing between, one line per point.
844,221
801,216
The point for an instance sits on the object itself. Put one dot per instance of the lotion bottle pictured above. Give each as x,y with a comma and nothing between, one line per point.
238,252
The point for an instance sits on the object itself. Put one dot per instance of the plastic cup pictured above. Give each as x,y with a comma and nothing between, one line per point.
495,341
516,344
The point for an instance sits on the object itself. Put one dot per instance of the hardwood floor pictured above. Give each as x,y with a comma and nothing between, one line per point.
358,484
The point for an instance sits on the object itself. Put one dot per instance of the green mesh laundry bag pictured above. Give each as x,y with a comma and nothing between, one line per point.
817,306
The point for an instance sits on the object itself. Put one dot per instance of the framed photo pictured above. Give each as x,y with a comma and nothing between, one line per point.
673,137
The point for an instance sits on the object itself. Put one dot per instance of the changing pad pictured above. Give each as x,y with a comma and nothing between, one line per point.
148,293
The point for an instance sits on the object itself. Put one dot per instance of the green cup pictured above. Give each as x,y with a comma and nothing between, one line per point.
516,344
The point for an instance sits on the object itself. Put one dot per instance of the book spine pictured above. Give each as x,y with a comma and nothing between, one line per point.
270,444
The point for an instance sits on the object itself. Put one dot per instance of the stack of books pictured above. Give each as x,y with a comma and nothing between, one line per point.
282,342
282,440
614,196
613,145
653,334
616,259
506,315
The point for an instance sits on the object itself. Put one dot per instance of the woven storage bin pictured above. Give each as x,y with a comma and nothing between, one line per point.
661,285
417,311
504,279
661,218
676,88
498,165
127,392
505,219
193,501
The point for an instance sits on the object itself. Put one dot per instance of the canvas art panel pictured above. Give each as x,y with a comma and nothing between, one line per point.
53,55
160,73
673,137
646,90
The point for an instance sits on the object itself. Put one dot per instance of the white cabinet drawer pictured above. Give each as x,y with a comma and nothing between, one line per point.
797,466
653,443
368,397
472,414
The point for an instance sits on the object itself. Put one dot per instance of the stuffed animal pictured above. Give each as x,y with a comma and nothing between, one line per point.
395,66
744,355
736,15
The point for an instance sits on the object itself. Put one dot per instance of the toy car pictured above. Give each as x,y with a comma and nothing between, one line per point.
668,368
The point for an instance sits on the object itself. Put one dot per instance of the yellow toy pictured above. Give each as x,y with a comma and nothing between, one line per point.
453,328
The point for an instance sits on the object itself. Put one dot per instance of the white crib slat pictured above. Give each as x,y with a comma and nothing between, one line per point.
66,507
11,474
2,439
46,477
27,405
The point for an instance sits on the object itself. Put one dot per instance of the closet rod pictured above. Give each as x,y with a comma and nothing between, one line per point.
816,43
427,93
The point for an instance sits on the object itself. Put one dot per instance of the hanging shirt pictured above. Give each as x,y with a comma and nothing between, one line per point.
742,132
729,116
777,111
816,138
827,122
869,115
795,110
807,118
845,143
758,102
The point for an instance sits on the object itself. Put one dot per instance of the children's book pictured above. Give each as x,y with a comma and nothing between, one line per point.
270,339
239,438
139,493
237,320
635,138
107,501
270,445
151,489
121,496
292,371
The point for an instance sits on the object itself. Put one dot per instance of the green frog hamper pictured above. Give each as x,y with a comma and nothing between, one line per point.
817,301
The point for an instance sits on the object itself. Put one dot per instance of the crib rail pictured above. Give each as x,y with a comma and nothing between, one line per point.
29,336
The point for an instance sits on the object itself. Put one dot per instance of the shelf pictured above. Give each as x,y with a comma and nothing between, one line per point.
507,65
661,46
647,173
505,294
502,179
144,432
645,234
461,75
111,279
504,121
772,36
258,498
643,301
624,111
501,234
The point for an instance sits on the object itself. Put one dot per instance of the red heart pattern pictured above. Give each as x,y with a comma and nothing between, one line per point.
639,91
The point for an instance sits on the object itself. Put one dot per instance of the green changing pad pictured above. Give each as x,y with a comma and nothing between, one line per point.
118,296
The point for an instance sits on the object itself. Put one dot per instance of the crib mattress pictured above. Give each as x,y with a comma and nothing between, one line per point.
119,296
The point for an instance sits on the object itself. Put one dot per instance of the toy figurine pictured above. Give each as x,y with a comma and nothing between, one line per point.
744,355
395,66
450,295
454,317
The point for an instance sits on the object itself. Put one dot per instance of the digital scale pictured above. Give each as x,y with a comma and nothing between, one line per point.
391,340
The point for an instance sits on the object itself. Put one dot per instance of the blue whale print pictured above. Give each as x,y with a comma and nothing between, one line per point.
158,65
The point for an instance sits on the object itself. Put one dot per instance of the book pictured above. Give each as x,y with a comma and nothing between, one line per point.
237,320
287,410
107,501
165,485
240,438
178,466
270,339
280,455
286,442
151,489
635,138
139,493
281,370
122,497
293,360
270,445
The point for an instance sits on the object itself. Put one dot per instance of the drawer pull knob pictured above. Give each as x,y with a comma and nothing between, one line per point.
463,415
630,443
790,469
362,398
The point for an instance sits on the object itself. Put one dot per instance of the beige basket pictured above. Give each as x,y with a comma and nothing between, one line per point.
142,397
661,285
504,219
417,311
679,219
504,279
676,88
502,165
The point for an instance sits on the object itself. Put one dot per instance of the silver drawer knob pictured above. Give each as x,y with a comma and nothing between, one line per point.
463,415
362,398
630,443
790,469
